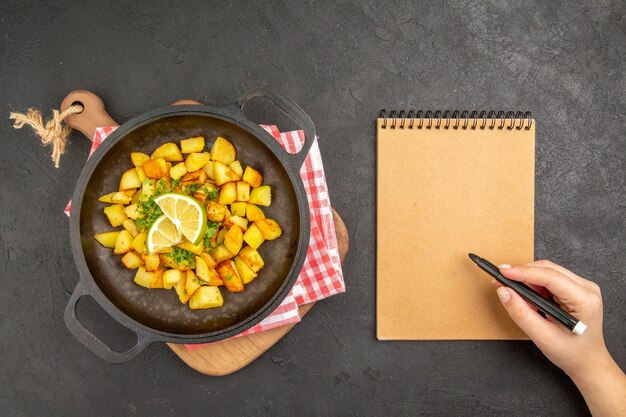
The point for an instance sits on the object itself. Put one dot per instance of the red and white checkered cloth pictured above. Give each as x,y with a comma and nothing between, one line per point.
321,275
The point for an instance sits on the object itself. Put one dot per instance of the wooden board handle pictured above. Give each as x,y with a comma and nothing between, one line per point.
93,115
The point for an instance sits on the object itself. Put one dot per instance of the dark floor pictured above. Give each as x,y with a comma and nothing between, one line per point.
342,62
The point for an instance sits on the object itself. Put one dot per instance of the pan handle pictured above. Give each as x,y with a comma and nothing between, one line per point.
295,113
90,341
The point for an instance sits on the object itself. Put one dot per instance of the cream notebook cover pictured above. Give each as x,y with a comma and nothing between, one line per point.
443,192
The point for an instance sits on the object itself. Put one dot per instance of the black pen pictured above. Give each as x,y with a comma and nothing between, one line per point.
533,297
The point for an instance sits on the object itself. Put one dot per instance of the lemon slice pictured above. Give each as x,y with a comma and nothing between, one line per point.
186,213
163,234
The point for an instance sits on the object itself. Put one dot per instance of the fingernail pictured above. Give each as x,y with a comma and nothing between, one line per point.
504,295
493,280
504,266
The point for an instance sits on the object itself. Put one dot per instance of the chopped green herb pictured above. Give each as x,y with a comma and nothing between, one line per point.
210,232
182,257
228,278
149,211
211,194
190,189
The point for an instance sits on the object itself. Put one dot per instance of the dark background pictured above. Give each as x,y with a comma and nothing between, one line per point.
342,62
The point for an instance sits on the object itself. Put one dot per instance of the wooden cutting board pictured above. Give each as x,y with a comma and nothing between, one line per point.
228,356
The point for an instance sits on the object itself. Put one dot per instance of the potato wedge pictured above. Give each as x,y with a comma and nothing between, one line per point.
261,196
148,188
202,269
139,243
115,214
208,259
130,179
131,211
196,161
157,278
220,235
238,209
168,151
195,144
253,237
121,197
252,258
215,212
152,261
223,151
156,168
138,158
129,225
228,194
178,171
171,278
243,191
208,168
229,275
192,283
223,174
107,198
122,243
253,212
143,277
107,239
239,221
131,260
141,174
245,272
233,239
221,254
198,177
269,228
206,297
214,278
252,177
181,289
236,167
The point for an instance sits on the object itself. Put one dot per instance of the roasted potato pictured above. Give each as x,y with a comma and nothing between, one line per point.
178,171
223,174
139,243
228,194
107,239
195,249
252,258
156,168
253,212
223,151
269,228
206,297
238,209
221,254
122,243
233,239
115,214
157,278
261,196
152,261
236,167
252,177
196,161
168,151
245,272
190,145
243,191
229,275
192,283
138,158
171,278
143,277
253,237
130,179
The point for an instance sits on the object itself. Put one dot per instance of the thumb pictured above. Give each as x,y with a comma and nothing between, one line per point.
525,316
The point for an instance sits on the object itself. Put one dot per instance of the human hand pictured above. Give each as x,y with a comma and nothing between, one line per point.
584,358
576,355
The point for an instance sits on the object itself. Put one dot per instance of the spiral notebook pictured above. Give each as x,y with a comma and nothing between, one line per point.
449,183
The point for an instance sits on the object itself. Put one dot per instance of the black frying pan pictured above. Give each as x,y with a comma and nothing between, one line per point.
157,315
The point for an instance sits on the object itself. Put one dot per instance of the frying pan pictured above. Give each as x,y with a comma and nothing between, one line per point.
157,315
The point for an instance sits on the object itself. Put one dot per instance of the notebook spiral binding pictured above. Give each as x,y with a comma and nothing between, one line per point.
463,119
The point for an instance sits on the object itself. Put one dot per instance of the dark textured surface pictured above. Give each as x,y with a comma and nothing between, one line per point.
341,61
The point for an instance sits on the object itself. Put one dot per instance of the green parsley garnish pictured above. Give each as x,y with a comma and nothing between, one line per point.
182,257
211,230
149,211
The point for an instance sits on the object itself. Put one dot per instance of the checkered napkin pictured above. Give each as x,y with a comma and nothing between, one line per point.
321,274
